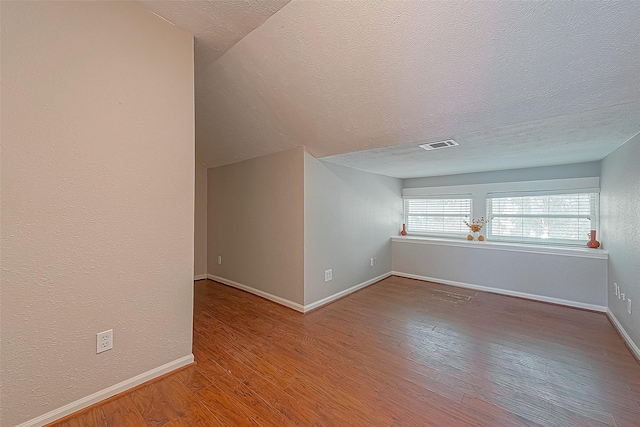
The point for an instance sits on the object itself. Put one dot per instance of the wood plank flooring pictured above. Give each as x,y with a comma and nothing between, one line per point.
400,352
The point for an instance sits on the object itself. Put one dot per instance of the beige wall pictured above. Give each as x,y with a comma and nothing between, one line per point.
200,225
620,215
97,201
255,211
349,217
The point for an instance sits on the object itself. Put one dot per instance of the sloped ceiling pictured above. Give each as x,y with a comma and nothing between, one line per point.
518,84
217,25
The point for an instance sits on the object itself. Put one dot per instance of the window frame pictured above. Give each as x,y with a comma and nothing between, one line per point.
593,217
480,192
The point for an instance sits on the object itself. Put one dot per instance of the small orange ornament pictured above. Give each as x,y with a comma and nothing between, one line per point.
469,237
593,243
481,238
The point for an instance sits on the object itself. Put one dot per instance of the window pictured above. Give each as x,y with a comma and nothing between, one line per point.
437,216
540,218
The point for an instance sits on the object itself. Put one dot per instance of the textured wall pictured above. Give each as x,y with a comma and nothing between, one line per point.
255,211
349,216
620,216
200,225
576,170
97,199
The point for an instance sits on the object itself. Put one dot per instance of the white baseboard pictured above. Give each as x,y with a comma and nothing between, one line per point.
298,307
568,303
106,393
199,277
625,336
265,295
340,294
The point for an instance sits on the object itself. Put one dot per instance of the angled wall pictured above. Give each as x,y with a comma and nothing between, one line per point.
277,222
96,201
255,212
349,217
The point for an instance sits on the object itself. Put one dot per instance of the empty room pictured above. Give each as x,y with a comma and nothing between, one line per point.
320,213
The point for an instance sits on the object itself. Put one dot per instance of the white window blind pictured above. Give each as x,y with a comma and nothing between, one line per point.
441,216
550,218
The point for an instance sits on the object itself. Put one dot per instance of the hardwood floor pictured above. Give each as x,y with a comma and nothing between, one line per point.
398,353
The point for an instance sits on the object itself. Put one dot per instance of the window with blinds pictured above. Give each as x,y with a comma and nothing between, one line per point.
551,218
441,217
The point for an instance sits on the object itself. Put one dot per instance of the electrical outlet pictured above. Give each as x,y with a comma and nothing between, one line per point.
328,275
104,341
219,259
373,262
629,306
622,296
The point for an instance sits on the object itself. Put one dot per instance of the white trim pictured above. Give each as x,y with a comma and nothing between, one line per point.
577,252
340,294
106,393
298,307
199,277
625,336
270,297
576,304
591,183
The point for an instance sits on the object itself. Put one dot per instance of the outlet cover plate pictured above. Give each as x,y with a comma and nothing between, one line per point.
104,341
328,275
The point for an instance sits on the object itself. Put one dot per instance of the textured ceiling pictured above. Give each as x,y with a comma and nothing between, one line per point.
531,83
216,24
574,138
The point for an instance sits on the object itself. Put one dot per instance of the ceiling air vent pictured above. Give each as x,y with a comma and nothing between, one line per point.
439,144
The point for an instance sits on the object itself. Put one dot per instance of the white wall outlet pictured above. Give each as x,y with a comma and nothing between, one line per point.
104,341
622,296
629,306
328,275
373,262
219,259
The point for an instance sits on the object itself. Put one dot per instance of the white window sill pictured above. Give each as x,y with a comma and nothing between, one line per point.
504,246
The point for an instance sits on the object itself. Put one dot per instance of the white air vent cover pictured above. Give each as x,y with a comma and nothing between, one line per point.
440,144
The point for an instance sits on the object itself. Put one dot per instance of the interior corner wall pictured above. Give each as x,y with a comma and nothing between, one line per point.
97,199
256,225
200,223
619,217
349,217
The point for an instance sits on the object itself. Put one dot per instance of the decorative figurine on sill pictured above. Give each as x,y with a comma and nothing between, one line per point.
475,227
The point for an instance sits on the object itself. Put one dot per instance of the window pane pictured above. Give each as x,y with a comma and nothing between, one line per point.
569,204
437,216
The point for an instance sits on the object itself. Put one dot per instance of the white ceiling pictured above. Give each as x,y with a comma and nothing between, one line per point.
517,84
217,25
